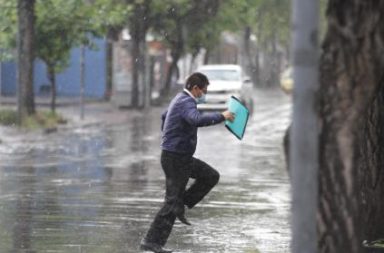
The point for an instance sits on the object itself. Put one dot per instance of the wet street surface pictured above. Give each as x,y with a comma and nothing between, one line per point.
96,187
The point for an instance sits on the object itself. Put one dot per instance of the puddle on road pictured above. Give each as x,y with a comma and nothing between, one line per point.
97,189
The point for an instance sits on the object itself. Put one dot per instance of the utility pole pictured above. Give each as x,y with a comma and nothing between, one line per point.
304,132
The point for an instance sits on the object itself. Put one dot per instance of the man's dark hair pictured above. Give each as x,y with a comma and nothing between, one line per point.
198,79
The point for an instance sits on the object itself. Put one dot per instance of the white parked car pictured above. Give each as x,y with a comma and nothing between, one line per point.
226,81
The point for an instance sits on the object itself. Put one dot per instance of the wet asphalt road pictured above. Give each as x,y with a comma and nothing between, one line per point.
96,187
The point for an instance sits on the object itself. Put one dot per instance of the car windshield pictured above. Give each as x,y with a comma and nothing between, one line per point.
222,74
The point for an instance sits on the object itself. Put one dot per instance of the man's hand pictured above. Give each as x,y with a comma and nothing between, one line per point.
228,116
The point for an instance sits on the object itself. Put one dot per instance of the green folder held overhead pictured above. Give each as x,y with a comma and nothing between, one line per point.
237,127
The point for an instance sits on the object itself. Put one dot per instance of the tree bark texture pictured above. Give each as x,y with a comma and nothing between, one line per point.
248,56
137,58
26,105
112,36
172,70
52,80
138,30
207,56
109,69
177,48
351,102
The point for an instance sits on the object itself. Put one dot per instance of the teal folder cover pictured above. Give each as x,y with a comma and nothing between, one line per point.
237,127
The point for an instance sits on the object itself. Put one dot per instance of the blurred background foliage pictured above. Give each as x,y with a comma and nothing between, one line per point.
198,23
185,27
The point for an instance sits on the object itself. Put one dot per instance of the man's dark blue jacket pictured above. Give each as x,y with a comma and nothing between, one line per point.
180,123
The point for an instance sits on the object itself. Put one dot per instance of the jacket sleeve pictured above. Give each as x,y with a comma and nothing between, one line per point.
195,118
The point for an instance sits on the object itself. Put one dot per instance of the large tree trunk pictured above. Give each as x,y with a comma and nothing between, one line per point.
259,48
138,30
138,61
351,189
177,48
112,36
52,80
108,68
275,62
207,56
248,56
26,104
172,71
192,65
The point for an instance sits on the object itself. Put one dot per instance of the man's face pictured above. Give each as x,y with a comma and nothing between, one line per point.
197,92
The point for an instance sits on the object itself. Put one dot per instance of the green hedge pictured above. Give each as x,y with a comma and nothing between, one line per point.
42,119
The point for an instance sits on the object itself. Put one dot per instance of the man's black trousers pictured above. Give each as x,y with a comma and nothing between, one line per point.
178,169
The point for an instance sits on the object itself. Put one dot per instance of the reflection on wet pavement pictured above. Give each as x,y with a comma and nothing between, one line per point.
97,188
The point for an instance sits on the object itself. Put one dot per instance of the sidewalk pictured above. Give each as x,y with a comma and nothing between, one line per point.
46,101
69,108
96,110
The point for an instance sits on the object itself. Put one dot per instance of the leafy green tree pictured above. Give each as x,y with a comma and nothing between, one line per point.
227,17
139,21
182,26
17,20
60,26
206,37
267,20
73,23
171,25
56,35
8,29
272,31
108,18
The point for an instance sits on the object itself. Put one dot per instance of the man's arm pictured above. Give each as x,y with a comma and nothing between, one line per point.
194,117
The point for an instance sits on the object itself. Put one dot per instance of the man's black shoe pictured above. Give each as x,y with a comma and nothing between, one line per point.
184,220
147,246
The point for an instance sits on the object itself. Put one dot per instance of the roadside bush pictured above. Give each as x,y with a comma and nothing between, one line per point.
42,119
8,117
